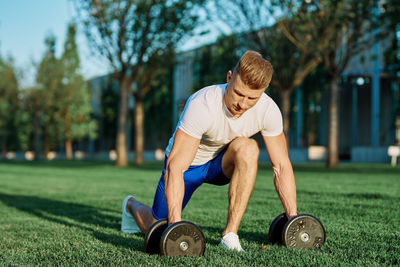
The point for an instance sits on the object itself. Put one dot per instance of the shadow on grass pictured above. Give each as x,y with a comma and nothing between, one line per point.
126,241
48,208
73,215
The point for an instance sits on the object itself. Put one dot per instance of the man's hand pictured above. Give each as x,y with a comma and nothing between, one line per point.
173,220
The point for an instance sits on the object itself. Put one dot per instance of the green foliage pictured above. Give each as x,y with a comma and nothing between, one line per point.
8,91
158,105
70,56
77,117
49,85
13,131
23,131
76,105
130,33
51,213
250,21
333,30
212,62
391,22
34,103
109,114
392,55
390,10
135,36
60,103
314,87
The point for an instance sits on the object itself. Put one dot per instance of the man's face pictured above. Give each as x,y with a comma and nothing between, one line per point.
238,96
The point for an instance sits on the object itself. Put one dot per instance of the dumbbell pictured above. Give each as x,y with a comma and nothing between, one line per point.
303,231
178,239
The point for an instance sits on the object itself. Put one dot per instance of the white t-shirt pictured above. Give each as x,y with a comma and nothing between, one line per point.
207,118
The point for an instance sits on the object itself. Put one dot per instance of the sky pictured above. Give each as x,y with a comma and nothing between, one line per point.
24,25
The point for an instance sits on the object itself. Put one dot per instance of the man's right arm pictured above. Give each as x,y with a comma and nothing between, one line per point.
283,172
179,160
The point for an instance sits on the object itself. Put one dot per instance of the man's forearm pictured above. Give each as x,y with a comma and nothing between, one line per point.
174,192
286,188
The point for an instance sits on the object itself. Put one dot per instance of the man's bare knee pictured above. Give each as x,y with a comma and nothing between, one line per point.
245,150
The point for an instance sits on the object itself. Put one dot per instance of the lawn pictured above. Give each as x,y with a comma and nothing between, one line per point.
68,213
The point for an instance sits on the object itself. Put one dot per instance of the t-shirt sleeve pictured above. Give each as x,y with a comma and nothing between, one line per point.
195,118
273,123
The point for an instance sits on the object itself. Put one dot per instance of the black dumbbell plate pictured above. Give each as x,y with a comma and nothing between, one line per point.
304,232
276,228
153,236
182,239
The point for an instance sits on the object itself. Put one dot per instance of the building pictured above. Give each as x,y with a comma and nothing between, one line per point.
369,108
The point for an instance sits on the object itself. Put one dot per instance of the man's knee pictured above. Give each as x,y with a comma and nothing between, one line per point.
245,150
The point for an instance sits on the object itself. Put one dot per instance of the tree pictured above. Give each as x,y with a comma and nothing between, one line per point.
34,104
75,107
336,30
392,23
108,115
133,36
49,79
213,61
60,101
13,119
292,65
313,94
158,107
392,53
250,21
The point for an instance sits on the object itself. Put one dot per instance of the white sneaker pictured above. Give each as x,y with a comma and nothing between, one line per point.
230,241
128,223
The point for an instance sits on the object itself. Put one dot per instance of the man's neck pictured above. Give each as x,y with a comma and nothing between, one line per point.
227,106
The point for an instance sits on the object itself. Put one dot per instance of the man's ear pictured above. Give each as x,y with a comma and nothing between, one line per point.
229,76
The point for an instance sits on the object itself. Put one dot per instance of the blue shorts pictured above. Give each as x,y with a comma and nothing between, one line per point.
210,172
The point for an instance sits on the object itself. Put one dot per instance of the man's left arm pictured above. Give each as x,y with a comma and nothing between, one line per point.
283,172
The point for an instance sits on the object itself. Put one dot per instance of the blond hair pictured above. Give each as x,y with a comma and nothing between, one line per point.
254,71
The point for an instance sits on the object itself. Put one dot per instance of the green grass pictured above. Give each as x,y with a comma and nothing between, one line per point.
68,213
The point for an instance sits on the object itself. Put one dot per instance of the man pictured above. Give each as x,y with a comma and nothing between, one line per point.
211,144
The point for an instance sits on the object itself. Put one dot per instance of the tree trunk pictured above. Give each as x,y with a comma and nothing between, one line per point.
139,130
46,148
37,137
68,149
121,145
4,148
68,142
285,102
333,133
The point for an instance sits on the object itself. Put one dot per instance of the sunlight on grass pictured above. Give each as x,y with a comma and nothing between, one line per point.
68,213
